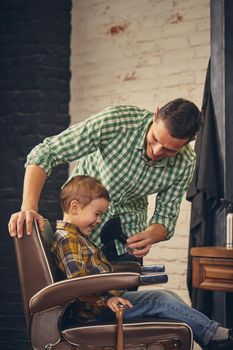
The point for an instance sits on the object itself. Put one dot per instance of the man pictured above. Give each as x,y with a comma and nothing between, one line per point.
134,153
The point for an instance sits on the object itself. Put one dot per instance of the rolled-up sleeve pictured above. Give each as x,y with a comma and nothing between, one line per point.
168,202
72,144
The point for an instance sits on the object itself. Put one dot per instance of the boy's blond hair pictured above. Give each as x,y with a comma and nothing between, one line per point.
83,189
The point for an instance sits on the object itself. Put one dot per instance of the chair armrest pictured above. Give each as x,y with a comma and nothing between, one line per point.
134,266
126,266
146,269
60,293
154,278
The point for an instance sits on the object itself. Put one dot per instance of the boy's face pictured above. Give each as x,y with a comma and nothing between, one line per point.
87,217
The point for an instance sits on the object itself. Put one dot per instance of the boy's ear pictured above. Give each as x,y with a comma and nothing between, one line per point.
74,206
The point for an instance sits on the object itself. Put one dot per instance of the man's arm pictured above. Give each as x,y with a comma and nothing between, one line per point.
34,180
72,144
163,222
33,183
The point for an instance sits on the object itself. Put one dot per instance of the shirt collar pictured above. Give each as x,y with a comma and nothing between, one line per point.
140,143
62,225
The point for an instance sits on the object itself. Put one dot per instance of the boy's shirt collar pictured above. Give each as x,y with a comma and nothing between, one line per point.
62,225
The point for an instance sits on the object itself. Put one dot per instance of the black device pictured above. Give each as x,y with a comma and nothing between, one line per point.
111,231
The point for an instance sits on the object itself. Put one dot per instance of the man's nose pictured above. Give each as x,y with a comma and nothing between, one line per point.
157,149
98,219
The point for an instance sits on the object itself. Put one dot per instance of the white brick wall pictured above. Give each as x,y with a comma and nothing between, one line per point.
141,52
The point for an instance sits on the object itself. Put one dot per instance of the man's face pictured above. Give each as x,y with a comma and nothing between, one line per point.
159,143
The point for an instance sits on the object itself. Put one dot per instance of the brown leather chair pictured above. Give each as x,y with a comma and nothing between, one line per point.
46,300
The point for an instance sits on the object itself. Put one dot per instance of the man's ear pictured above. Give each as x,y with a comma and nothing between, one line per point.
156,113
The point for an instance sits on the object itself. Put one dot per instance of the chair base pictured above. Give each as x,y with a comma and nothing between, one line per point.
159,335
161,345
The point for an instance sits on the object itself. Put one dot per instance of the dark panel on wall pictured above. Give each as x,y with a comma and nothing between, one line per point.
35,93
229,99
222,86
222,92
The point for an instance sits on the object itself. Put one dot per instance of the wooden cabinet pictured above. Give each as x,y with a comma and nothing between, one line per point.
212,268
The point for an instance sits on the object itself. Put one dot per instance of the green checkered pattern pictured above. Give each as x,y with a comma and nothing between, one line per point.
111,146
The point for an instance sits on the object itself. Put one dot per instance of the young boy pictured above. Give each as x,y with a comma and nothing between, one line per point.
84,199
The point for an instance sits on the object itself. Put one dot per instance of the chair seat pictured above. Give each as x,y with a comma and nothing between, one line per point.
144,331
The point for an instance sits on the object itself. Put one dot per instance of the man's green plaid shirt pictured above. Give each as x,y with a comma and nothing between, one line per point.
111,147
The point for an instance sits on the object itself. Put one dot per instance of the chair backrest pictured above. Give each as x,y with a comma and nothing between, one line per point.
35,263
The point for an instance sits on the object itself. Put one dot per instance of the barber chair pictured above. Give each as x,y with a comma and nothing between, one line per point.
46,299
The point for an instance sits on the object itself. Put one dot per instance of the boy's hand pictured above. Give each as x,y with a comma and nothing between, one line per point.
113,303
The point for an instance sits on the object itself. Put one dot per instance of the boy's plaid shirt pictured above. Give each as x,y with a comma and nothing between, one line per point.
111,146
76,256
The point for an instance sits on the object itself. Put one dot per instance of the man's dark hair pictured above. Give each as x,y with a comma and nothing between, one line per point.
182,118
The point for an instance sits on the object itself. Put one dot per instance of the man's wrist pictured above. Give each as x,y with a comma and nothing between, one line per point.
158,232
27,207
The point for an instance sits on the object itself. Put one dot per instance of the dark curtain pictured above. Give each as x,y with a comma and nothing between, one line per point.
205,193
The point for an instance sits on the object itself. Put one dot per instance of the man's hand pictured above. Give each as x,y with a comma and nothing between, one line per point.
17,221
141,242
139,245
113,303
